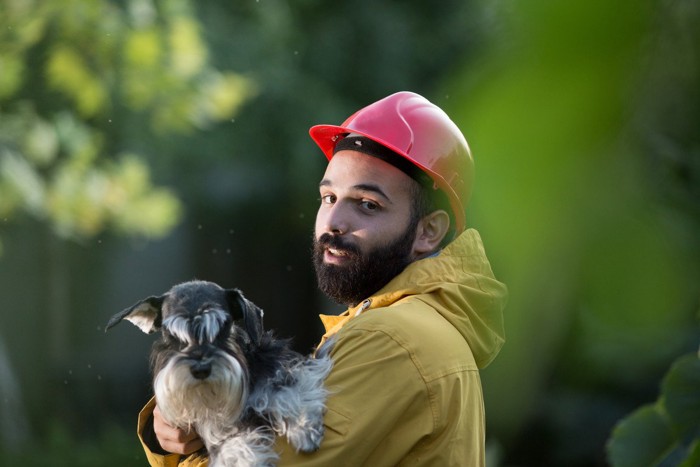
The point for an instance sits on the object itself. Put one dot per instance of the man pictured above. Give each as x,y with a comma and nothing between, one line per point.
424,309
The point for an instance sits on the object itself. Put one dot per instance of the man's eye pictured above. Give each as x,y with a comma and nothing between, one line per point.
369,205
328,199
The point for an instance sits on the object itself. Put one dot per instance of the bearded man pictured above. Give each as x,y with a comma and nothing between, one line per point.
424,309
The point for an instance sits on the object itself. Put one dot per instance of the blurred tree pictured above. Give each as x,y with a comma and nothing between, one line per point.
73,75
602,265
76,76
667,432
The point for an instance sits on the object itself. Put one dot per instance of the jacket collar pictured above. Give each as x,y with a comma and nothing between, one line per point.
458,283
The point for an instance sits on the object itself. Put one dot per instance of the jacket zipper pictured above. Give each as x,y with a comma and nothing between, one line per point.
365,305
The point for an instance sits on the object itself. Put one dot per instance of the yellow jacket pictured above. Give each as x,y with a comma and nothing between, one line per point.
405,386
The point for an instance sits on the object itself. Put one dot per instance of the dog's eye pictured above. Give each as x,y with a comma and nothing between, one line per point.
174,342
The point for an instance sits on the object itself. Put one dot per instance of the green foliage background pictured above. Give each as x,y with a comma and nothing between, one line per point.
145,142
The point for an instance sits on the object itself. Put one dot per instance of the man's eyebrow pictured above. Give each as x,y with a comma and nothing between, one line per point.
373,189
367,187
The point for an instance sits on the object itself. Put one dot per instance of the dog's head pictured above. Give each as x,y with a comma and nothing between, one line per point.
194,311
199,364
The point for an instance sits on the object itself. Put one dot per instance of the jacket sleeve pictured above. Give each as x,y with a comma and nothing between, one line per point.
376,392
160,460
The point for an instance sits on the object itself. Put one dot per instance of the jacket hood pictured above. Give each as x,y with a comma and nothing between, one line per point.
460,285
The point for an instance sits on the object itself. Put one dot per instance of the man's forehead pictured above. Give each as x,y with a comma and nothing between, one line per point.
359,174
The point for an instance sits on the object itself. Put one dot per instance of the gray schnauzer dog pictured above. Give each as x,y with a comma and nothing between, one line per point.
218,371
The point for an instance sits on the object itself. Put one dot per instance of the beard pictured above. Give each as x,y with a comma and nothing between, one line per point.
365,272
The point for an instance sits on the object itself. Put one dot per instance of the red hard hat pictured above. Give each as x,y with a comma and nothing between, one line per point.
421,132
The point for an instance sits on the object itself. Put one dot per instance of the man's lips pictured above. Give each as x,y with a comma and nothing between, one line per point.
336,255
336,250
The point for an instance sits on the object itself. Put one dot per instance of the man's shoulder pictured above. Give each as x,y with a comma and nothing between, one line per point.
409,316
425,335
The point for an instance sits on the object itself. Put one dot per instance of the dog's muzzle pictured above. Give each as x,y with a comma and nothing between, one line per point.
191,387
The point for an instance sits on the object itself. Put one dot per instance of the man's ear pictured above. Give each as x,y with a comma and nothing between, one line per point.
145,314
430,231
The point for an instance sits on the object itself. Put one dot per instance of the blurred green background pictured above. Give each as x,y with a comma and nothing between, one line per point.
147,142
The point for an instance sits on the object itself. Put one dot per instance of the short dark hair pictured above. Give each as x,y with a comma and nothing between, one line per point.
426,200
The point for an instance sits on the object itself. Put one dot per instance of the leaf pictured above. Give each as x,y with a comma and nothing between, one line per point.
693,458
69,73
11,76
21,183
188,53
642,438
680,392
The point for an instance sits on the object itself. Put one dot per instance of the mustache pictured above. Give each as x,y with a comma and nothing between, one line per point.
327,240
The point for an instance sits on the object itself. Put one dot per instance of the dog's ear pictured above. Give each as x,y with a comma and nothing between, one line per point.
145,314
251,314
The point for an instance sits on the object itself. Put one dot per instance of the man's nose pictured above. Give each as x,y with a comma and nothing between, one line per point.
336,219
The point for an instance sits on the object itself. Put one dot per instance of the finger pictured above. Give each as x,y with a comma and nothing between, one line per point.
174,439
183,448
162,428
177,446
192,446
184,436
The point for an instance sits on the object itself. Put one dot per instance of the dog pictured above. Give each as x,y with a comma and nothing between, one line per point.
218,371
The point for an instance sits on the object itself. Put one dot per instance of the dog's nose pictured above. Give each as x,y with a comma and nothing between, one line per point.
200,370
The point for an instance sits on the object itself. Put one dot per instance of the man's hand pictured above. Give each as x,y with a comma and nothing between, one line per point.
173,439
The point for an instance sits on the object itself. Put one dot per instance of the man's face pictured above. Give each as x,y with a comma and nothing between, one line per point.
364,233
